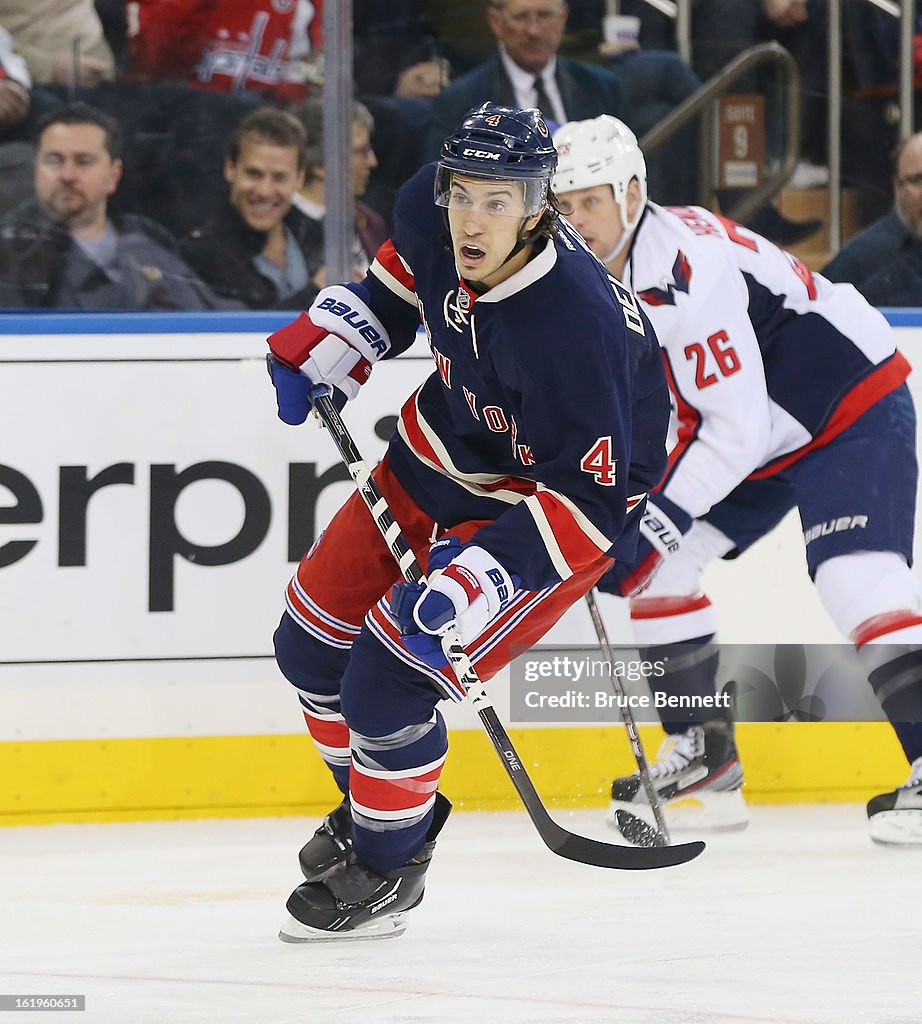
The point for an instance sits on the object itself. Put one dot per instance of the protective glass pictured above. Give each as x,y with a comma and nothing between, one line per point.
494,196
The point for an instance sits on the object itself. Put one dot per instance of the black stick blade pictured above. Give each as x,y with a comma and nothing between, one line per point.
623,858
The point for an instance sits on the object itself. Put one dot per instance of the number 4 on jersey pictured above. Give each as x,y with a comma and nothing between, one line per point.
599,463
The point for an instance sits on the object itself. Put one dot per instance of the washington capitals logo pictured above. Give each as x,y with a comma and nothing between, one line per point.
681,281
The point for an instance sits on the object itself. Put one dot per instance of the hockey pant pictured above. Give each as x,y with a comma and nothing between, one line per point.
856,499
370,706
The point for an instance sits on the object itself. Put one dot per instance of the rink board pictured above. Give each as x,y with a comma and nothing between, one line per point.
151,508
248,776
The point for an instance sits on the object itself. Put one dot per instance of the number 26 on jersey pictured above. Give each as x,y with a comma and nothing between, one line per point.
714,360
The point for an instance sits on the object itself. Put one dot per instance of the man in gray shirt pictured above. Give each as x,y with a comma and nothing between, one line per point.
65,250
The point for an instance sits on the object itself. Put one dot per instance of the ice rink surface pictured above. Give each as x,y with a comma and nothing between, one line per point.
798,920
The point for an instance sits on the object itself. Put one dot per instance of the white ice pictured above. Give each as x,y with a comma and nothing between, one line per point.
798,920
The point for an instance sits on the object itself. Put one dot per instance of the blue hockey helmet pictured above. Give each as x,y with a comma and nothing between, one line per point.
499,143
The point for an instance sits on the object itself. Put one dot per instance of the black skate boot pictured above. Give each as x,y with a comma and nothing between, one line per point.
355,902
698,777
330,845
895,818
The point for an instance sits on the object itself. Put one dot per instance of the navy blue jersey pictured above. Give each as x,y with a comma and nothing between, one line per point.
548,409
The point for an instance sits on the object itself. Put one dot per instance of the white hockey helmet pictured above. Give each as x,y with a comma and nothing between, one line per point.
600,151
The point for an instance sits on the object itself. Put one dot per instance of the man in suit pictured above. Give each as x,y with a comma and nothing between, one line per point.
527,72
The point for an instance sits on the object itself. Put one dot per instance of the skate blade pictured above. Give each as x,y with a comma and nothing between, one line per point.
293,930
387,928
897,828
701,812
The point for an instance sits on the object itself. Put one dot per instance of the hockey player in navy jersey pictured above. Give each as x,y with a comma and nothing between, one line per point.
518,470
788,391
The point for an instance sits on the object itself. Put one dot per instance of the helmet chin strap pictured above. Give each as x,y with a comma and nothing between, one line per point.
627,231
521,241
520,244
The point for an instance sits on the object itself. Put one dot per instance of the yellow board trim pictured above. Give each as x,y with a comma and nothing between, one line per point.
43,782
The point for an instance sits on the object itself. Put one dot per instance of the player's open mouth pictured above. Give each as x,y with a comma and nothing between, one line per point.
472,253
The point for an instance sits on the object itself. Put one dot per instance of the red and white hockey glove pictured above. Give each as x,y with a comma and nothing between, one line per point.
467,588
662,527
470,591
335,343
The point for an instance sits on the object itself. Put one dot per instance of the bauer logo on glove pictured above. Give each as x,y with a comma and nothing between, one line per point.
336,343
354,320
467,589
657,528
662,527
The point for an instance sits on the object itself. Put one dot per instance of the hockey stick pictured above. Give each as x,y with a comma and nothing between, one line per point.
557,839
633,828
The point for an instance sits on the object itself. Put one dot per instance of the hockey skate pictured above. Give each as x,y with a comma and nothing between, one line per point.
352,901
330,845
698,777
895,818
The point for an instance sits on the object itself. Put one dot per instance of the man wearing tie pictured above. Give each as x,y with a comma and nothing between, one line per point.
527,72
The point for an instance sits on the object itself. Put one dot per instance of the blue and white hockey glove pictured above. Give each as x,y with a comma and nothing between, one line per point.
467,589
335,343
662,527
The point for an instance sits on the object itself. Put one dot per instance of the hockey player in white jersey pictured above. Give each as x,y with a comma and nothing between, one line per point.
787,391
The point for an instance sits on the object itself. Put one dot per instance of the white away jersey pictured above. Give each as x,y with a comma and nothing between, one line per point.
766,361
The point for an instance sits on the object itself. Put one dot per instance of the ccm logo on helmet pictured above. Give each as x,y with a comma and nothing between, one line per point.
355,320
481,154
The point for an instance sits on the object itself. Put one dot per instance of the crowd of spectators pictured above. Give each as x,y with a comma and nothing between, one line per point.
163,154
370,228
